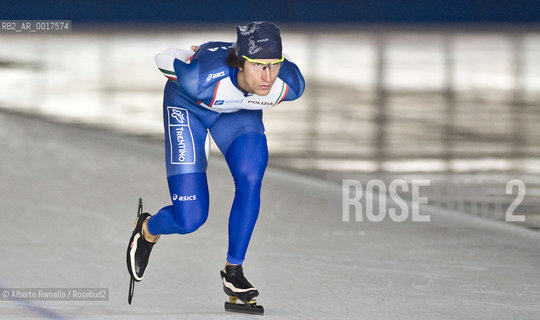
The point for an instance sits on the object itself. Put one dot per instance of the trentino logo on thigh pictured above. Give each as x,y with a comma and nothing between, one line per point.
180,136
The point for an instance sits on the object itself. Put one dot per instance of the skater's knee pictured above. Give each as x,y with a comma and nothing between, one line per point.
189,195
190,220
193,224
247,160
249,180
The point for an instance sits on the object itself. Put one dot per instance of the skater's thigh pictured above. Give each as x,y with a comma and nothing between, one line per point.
230,126
185,136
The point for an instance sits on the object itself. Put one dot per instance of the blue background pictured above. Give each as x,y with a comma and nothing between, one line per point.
301,11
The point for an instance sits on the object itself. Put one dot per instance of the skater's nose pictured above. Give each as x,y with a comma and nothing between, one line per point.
266,76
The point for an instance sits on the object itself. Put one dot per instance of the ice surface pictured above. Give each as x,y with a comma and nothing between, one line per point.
69,199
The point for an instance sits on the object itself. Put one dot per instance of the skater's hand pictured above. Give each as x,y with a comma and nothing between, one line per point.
195,48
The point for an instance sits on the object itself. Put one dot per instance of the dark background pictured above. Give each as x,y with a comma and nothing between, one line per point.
289,11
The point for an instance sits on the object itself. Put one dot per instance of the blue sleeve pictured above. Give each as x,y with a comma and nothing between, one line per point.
199,78
292,76
188,76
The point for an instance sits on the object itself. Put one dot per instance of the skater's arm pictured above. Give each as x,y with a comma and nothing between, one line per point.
291,75
165,61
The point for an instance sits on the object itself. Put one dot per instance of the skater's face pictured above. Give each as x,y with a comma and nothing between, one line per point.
258,76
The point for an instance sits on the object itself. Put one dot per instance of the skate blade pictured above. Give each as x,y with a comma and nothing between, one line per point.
249,308
140,208
131,289
139,213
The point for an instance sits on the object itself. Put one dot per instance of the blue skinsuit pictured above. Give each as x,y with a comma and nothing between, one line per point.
202,96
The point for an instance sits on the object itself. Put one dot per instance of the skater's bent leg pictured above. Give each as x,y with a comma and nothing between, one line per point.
185,161
247,157
189,195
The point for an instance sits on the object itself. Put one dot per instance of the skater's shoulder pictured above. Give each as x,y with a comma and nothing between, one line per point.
205,68
213,54
291,75
175,63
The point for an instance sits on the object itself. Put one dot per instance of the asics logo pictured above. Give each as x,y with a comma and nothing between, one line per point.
215,75
176,197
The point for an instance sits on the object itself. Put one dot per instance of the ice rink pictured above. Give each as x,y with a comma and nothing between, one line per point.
80,132
69,199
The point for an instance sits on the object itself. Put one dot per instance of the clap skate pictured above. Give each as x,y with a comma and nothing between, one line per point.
237,287
138,251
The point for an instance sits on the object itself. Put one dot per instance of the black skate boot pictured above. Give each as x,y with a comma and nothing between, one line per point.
138,251
236,286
